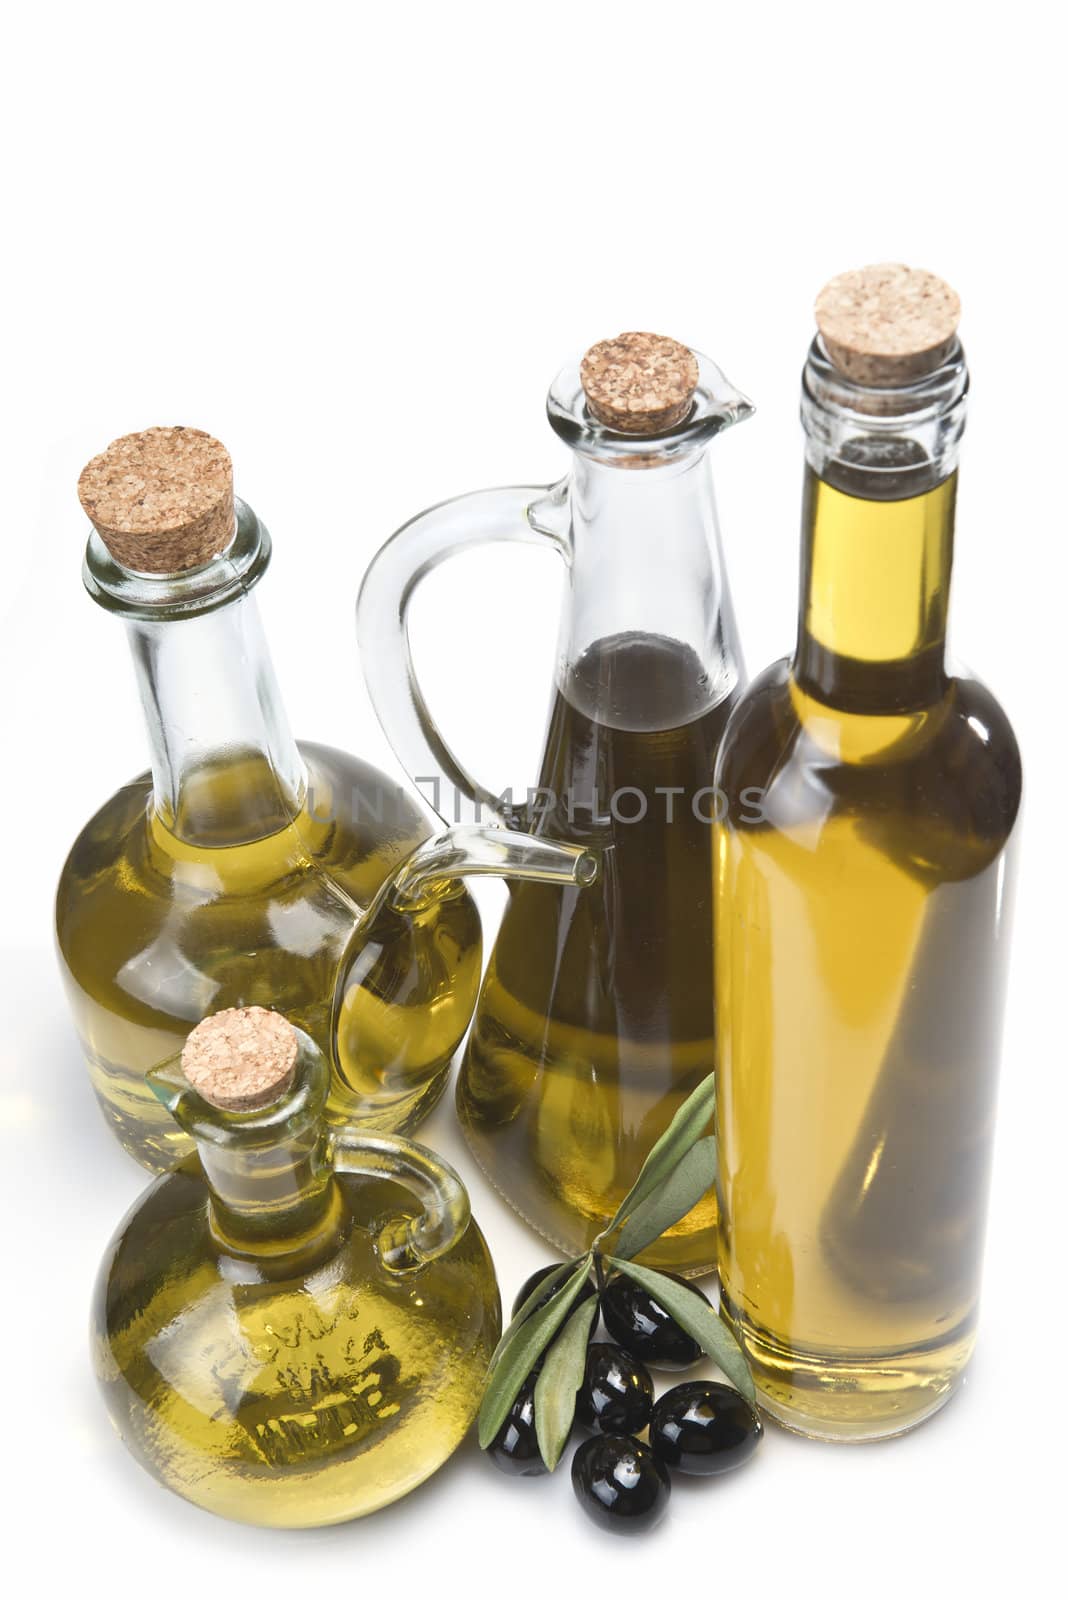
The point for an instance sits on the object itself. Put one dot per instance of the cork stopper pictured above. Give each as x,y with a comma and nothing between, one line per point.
640,383
241,1060
161,500
889,325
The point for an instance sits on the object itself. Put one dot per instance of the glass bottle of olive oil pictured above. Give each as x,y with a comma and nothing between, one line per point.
863,881
296,1328
234,872
245,869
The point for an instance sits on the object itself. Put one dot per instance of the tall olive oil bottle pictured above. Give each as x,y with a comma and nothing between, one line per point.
863,883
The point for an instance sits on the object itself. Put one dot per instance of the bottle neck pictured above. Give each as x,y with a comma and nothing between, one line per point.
273,1199
225,767
271,1187
875,579
646,571
877,536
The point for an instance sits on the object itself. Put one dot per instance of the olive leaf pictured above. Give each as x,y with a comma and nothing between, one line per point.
559,1382
680,1191
696,1316
551,1281
540,1292
682,1132
520,1348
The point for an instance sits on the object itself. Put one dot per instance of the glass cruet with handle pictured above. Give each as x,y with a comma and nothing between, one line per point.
595,1018
293,1327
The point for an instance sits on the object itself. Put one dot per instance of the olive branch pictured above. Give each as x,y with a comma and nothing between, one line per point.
677,1172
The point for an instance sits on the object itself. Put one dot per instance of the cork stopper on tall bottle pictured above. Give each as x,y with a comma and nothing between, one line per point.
887,326
241,1060
161,500
640,383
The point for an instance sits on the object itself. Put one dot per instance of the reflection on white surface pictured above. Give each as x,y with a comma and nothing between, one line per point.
18,1110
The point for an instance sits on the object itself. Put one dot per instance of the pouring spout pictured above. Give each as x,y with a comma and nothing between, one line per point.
169,1086
469,852
718,399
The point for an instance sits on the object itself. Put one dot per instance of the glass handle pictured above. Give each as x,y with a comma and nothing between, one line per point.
523,515
403,1243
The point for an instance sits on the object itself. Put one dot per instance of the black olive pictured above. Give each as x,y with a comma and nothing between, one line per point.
617,1393
532,1283
515,1449
638,1322
704,1428
620,1484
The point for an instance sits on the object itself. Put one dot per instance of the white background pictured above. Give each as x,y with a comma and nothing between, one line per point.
356,242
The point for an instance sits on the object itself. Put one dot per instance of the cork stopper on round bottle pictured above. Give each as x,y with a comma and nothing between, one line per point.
888,325
241,1060
161,500
641,383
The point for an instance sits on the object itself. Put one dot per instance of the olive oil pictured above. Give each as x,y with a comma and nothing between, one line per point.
330,1390
248,897
291,1329
863,880
596,1017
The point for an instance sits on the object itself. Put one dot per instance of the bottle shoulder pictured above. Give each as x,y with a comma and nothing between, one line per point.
356,824
164,1265
150,925
953,767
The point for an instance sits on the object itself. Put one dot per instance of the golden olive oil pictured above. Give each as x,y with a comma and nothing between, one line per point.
861,931
155,932
289,1403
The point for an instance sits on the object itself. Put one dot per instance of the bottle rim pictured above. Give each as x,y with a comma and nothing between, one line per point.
716,405
891,442
934,397
159,597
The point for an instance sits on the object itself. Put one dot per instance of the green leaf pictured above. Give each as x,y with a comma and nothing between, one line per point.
518,1351
558,1383
682,1132
699,1320
680,1191
550,1281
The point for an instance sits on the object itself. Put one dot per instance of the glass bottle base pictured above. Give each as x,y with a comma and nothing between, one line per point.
863,1427
841,1398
